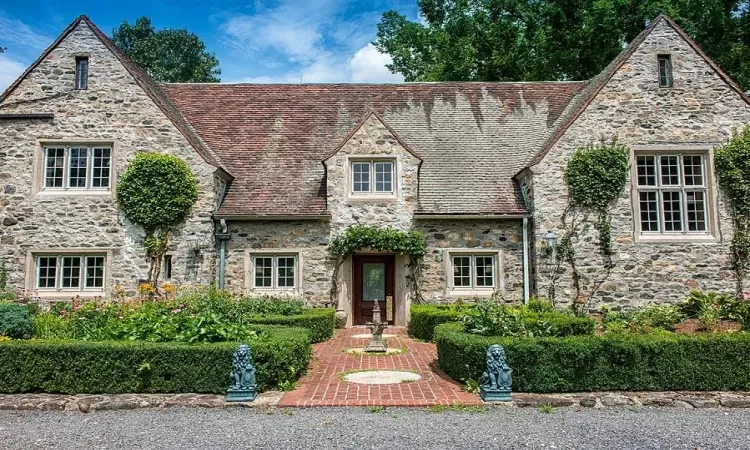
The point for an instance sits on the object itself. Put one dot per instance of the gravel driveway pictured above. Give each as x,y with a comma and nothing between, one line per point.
319,428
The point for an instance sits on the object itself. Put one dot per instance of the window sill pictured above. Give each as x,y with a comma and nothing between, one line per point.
676,239
275,292
463,293
66,295
73,193
367,198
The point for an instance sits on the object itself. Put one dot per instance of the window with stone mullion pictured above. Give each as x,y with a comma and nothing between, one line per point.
672,194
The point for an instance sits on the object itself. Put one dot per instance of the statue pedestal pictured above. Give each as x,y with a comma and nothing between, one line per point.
494,395
376,344
244,395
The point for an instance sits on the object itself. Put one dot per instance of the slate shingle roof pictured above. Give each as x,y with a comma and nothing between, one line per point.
472,138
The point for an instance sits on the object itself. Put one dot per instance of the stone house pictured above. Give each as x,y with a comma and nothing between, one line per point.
476,167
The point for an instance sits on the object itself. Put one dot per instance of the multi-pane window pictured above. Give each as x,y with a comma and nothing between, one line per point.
70,272
77,167
372,177
672,193
665,70
82,72
275,272
473,271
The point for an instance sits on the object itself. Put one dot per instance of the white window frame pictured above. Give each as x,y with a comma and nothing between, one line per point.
66,188
274,254
371,162
708,189
498,277
35,257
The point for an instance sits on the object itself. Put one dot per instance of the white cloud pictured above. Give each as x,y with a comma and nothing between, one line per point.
310,42
9,71
369,65
16,34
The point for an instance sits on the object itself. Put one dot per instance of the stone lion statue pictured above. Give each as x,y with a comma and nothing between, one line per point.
243,372
497,373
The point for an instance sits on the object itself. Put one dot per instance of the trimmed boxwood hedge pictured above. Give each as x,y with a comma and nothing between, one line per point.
424,319
280,354
320,321
638,362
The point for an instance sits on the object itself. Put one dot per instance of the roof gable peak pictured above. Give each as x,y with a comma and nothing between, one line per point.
367,117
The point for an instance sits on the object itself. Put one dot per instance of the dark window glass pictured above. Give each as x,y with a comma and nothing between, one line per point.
665,71
82,72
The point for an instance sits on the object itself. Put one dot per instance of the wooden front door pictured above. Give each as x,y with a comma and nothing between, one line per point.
373,280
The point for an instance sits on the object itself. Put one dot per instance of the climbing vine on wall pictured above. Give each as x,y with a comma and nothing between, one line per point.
156,192
732,165
595,177
357,237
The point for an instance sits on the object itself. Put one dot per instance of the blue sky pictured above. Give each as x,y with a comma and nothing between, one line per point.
291,41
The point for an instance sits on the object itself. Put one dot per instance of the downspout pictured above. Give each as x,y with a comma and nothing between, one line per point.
223,237
525,260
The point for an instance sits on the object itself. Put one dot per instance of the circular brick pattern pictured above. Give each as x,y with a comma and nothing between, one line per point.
382,377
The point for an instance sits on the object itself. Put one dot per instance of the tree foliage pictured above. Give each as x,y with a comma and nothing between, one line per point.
156,192
171,56
732,163
514,40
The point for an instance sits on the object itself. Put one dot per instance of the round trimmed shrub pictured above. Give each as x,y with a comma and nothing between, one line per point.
15,321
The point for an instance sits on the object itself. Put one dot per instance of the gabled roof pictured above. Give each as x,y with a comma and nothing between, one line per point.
385,124
587,95
146,83
472,138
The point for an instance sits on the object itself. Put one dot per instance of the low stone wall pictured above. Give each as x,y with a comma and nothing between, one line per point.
88,403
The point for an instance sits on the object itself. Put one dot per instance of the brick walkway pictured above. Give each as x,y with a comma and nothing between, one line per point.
323,386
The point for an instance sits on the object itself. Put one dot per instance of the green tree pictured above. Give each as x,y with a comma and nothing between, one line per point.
156,192
514,40
171,56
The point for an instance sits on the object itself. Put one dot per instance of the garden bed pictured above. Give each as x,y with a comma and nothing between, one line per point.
659,361
280,355
548,322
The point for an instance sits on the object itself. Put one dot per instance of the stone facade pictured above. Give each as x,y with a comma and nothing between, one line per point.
113,110
306,238
503,237
309,238
700,111
697,113
372,140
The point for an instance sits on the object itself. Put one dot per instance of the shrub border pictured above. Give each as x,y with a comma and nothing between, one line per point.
321,322
114,367
635,362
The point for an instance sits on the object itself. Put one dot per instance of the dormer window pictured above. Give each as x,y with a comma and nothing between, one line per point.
82,72
372,177
665,70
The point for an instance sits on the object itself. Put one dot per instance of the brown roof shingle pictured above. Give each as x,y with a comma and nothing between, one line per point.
472,138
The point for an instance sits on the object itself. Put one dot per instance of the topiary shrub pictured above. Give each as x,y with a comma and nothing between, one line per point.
15,321
156,192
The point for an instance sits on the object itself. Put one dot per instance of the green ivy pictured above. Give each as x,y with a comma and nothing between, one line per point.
410,243
156,192
732,165
596,176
